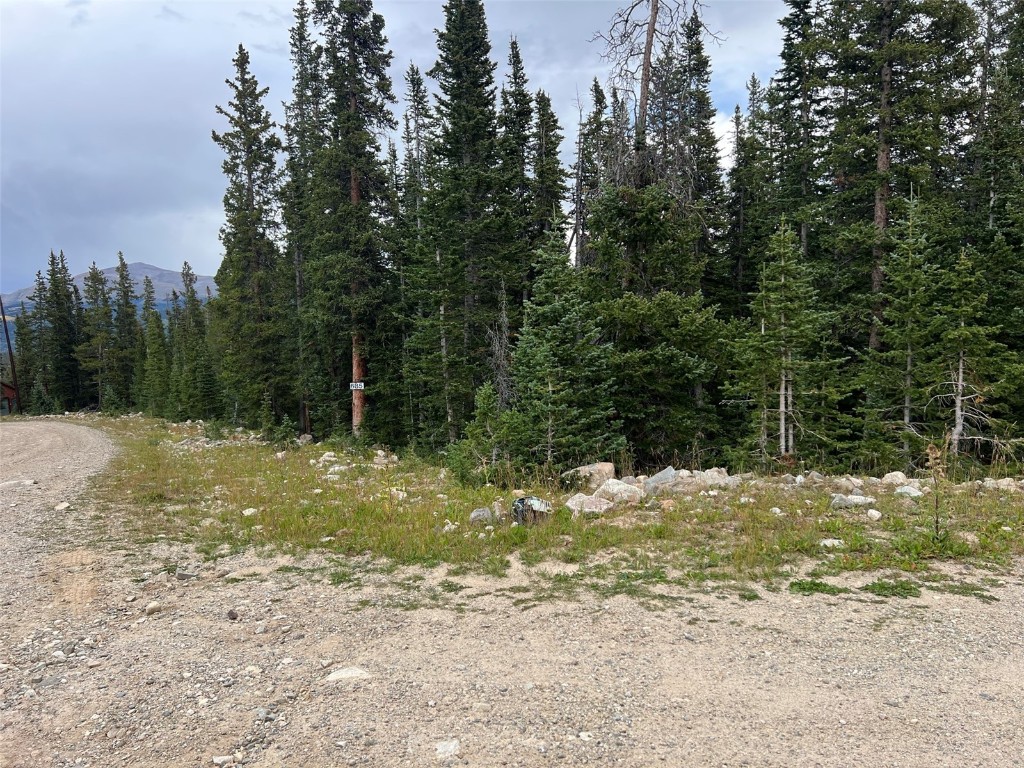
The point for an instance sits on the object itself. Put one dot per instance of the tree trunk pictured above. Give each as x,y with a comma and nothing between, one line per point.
958,405
645,75
782,413
444,366
907,383
882,164
358,374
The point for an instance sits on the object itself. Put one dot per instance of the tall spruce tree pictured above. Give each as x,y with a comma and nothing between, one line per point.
250,311
156,365
125,339
94,351
345,271
466,269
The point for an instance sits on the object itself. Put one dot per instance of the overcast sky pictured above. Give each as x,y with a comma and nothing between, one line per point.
106,107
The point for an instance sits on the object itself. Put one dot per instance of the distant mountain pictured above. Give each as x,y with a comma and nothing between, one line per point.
164,281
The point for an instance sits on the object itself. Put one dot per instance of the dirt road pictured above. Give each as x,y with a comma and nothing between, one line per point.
117,654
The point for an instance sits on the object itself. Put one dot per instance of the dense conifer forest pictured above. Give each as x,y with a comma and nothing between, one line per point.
848,292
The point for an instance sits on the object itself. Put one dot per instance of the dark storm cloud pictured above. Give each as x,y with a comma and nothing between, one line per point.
107,107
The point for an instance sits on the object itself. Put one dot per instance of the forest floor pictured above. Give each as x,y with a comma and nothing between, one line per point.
140,627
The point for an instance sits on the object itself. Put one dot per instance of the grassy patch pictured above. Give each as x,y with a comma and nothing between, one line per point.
815,587
902,588
166,485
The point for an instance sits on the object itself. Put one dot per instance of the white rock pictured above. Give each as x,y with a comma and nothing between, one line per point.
346,673
840,501
224,760
800,480
592,475
895,478
909,491
448,748
874,514
249,512
153,607
617,492
832,543
776,511
62,507
588,506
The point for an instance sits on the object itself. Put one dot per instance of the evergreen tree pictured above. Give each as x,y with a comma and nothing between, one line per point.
60,337
345,269
125,339
94,352
561,372
976,371
193,384
783,363
250,311
466,268
549,189
589,171
156,367
304,135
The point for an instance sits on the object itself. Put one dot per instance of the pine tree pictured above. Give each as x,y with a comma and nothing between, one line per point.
156,366
515,200
193,383
561,372
125,338
466,269
60,336
548,185
250,311
589,171
304,135
899,373
345,269
94,352
976,369
783,362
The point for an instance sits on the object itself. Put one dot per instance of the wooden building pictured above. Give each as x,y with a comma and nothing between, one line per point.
7,398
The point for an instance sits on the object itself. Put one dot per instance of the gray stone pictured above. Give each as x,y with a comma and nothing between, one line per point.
815,477
787,479
656,482
618,492
153,607
482,516
832,543
62,507
224,760
874,514
841,501
909,491
592,476
588,506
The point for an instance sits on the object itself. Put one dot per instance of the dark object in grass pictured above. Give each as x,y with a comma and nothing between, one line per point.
530,509
233,615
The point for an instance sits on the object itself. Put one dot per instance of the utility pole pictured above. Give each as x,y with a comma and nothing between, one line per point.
10,354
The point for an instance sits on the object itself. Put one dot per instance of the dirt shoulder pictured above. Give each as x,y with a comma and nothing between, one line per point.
108,659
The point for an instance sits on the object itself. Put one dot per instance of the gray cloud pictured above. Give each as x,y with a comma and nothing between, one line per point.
106,121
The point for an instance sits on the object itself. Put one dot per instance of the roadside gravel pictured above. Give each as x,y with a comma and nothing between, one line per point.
109,658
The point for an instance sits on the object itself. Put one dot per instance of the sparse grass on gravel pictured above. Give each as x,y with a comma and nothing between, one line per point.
415,514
